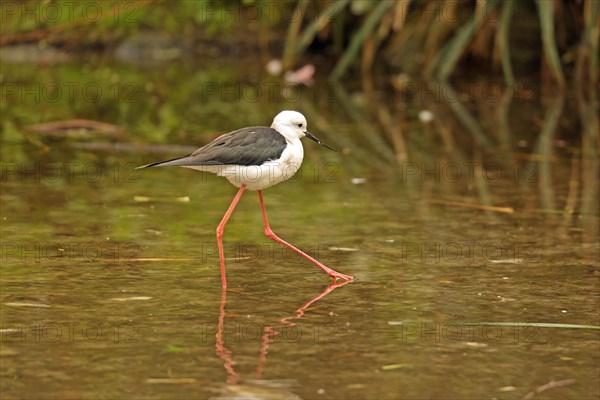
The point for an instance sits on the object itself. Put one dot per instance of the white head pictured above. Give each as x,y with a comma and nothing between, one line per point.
292,125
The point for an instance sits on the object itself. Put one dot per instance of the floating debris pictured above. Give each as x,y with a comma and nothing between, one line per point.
356,386
175,381
506,210
550,385
24,304
145,199
506,389
475,344
358,181
174,349
334,248
159,259
508,261
134,298
390,367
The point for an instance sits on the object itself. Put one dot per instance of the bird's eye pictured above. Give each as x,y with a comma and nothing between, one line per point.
299,125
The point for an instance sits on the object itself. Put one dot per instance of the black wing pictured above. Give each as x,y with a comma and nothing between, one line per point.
247,146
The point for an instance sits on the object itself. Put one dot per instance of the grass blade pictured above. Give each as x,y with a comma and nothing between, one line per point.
507,12
546,12
356,43
319,23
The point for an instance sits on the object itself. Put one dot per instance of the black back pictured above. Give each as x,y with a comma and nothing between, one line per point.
247,146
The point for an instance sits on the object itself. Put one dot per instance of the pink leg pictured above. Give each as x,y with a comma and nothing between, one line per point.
271,235
220,230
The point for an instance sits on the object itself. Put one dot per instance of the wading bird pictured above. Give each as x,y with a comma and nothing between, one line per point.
255,158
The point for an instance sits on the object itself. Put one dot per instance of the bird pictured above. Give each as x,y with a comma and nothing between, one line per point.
255,158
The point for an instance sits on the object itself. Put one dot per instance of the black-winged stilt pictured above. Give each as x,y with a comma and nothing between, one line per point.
255,158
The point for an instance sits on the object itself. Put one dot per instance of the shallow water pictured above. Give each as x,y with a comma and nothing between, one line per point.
111,285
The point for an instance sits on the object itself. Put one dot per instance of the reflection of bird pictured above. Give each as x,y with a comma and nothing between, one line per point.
255,158
259,388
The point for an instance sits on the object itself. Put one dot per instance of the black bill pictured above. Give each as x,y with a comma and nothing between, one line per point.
311,137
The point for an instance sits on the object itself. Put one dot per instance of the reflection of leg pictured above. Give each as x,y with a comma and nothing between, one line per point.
300,311
270,332
271,235
220,230
266,340
222,351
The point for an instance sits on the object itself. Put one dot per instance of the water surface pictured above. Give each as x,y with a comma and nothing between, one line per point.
111,285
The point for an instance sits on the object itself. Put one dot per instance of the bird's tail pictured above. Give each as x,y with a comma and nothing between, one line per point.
179,161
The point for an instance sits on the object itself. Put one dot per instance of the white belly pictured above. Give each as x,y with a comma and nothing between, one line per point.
259,177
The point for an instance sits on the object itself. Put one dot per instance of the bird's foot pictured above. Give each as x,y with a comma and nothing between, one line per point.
337,275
